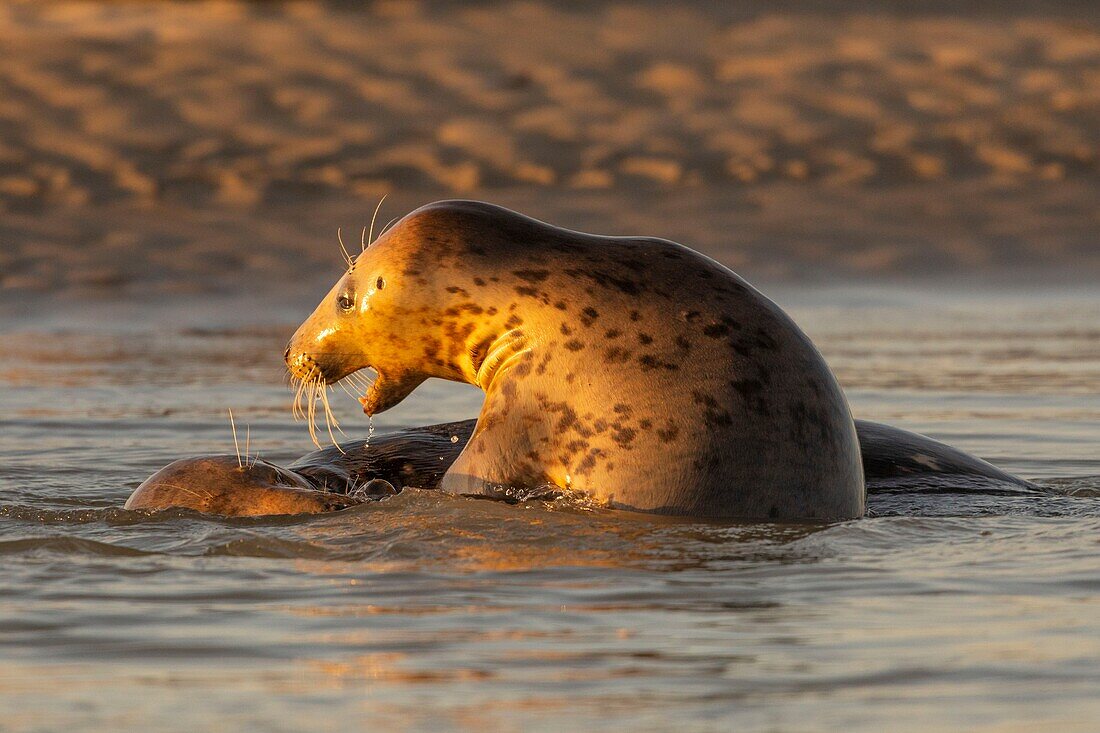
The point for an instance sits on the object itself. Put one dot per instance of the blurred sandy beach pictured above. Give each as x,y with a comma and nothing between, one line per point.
194,147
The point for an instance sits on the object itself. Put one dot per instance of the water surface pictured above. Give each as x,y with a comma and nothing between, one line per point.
938,612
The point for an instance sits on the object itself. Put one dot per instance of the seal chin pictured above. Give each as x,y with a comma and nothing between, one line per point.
386,391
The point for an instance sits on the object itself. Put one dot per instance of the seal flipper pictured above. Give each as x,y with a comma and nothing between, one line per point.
900,460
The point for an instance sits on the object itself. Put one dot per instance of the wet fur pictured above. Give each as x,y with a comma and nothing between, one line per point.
631,369
894,460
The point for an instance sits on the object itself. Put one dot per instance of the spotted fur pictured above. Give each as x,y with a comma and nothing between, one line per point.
632,369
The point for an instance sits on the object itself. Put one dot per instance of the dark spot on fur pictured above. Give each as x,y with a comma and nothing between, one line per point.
544,362
613,333
479,282
645,339
624,437
574,345
616,355
716,330
752,392
458,310
765,340
713,414
532,276
607,280
683,343
585,467
560,305
649,362
667,433
566,330
635,316
527,291
513,321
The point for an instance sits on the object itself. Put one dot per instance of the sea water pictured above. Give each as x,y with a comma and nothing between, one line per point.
941,611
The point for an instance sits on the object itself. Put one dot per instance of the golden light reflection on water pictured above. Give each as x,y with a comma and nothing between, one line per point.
389,668
433,612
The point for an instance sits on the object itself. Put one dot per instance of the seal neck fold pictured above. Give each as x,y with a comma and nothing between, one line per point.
499,353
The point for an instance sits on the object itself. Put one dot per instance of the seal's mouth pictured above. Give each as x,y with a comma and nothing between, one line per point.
313,385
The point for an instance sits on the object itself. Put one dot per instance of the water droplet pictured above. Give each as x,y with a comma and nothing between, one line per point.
370,428
454,438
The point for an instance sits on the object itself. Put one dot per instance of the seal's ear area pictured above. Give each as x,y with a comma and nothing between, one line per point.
386,392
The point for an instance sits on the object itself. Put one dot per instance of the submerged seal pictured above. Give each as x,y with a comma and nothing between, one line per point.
630,369
224,485
894,461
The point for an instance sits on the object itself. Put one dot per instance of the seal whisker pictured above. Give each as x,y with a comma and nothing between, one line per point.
344,250
236,446
372,220
330,419
303,395
312,415
193,492
388,225
343,385
305,400
296,406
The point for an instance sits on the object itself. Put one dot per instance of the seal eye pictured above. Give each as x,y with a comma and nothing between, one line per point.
345,303
381,283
